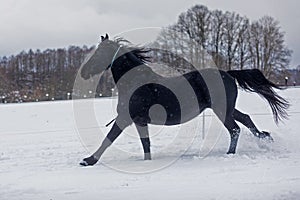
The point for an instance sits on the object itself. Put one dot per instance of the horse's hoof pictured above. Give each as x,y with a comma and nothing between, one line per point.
231,152
90,161
266,136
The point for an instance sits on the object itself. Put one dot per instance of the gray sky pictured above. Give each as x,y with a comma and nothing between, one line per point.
44,24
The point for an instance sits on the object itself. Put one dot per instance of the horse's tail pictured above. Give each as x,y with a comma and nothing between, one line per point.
253,80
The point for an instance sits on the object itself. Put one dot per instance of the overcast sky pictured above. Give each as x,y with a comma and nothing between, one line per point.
44,24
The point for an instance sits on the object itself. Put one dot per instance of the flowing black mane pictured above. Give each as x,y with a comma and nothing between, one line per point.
139,52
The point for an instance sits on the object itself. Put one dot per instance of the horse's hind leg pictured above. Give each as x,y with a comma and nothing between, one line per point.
144,136
246,121
233,129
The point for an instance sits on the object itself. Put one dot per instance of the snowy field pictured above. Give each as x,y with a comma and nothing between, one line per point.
42,143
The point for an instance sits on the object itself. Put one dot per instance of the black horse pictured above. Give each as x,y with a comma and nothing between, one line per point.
145,97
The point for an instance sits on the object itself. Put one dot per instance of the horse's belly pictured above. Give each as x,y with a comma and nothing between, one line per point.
170,121
158,104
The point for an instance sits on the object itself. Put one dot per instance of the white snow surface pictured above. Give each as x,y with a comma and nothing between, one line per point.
42,144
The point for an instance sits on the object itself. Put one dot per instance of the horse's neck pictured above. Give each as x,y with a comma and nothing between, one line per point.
130,65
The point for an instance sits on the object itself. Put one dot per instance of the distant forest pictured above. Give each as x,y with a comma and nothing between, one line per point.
43,75
200,35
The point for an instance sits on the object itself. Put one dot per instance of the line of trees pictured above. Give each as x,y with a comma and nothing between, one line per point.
43,75
230,40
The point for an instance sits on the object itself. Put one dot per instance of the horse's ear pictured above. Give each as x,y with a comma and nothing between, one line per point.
104,38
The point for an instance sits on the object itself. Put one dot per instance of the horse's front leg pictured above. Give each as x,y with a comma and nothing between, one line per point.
114,132
144,136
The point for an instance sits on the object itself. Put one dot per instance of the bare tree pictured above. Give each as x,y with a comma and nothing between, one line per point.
198,28
217,38
243,54
232,28
267,47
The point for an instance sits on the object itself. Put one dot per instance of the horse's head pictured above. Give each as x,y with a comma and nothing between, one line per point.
101,58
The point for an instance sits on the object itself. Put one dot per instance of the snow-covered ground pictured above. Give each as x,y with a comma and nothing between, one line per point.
41,145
